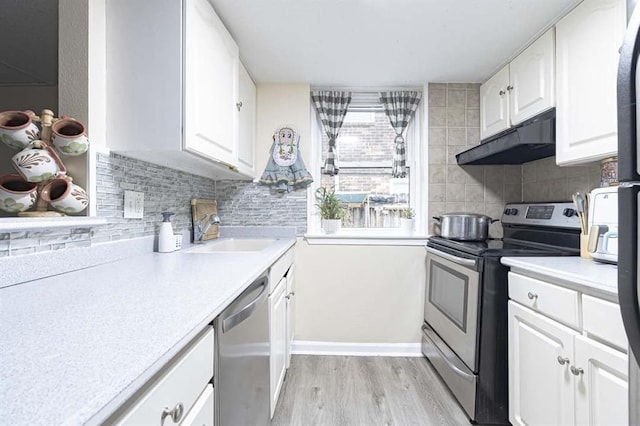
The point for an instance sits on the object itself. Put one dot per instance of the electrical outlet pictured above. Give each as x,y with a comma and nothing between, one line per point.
133,204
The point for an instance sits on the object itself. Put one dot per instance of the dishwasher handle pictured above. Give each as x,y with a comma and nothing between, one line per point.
235,319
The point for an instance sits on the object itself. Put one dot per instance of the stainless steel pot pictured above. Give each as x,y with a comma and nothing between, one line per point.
464,226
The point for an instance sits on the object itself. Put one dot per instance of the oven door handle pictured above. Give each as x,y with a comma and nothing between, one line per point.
452,258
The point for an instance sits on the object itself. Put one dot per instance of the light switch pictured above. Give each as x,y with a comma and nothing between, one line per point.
133,204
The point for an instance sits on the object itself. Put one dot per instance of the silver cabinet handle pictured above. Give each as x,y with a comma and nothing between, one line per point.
502,92
576,371
290,295
175,414
238,105
562,361
532,296
509,88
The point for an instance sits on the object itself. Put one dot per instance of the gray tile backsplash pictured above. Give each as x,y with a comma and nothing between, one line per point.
543,180
454,125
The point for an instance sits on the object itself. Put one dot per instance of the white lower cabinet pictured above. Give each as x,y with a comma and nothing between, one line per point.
281,303
561,375
291,307
540,388
602,385
173,393
202,413
278,339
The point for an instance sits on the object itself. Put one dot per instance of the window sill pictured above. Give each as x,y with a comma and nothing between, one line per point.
367,238
16,224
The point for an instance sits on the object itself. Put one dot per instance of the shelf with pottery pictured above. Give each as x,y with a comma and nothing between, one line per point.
42,180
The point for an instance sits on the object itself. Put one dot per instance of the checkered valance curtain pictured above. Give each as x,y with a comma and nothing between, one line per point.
331,107
400,107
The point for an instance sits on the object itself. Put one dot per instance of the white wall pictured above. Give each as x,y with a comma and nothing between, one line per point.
359,294
345,294
279,105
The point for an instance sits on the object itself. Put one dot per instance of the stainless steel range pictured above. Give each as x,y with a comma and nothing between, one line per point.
464,334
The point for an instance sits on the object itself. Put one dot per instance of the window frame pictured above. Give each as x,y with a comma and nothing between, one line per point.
416,161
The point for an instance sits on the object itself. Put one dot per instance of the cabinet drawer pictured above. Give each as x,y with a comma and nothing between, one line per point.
182,382
202,412
279,269
603,320
556,302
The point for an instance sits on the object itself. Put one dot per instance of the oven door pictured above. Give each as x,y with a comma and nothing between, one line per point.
451,302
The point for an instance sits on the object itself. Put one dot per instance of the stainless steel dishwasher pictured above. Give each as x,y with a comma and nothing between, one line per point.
242,365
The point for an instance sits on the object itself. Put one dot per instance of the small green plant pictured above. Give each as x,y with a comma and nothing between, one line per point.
407,213
328,204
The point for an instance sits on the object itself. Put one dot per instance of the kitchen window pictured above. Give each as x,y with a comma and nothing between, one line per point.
372,197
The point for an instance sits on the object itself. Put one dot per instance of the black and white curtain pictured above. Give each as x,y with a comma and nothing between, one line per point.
331,107
400,106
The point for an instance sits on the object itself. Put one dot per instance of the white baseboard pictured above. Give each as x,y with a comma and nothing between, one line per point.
305,347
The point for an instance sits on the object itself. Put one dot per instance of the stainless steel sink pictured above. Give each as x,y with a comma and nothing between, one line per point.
233,245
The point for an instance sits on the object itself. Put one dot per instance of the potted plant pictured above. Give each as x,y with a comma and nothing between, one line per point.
331,211
407,219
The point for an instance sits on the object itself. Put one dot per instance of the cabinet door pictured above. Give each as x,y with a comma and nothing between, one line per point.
531,75
494,104
291,309
246,109
540,388
202,412
602,386
587,45
210,84
278,339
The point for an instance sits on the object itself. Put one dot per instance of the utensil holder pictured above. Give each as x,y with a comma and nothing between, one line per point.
584,240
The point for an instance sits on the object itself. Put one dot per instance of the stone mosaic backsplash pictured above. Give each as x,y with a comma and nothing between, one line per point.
248,204
240,203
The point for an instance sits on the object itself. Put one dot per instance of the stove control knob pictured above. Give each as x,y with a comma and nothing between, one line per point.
514,212
569,212
506,212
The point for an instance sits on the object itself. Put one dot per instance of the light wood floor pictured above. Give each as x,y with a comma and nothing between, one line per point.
353,391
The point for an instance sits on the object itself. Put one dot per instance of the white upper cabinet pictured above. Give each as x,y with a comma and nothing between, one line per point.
531,75
172,87
588,39
520,90
494,104
246,109
210,84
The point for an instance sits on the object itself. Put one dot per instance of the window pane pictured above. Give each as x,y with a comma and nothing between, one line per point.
364,136
372,198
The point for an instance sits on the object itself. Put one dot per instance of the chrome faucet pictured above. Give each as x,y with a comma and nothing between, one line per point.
202,226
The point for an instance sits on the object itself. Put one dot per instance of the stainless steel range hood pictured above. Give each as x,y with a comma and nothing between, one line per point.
532,140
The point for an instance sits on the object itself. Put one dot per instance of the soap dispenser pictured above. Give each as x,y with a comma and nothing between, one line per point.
166,240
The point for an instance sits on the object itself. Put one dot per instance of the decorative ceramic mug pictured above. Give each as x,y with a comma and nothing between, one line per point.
68,136
16,194
38,162
17,130
65,196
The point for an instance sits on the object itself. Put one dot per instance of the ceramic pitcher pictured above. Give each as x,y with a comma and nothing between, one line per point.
16,194
17,129
38,162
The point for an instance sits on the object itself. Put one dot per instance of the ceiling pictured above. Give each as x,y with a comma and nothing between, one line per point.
383,42
29,48
346,43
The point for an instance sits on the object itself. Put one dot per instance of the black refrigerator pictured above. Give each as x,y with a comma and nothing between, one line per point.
629,202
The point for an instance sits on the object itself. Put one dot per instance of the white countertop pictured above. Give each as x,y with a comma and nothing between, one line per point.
74,347
597,279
